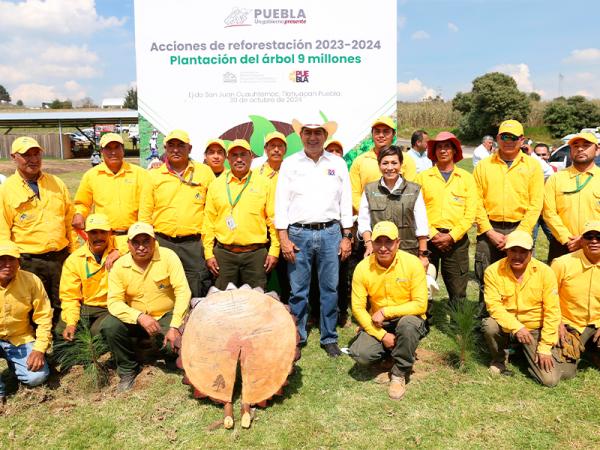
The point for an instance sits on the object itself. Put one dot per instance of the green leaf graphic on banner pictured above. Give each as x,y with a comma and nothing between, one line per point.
323,116
261,127
294,144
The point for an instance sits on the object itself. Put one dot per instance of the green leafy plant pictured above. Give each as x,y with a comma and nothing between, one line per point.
85,350
463,330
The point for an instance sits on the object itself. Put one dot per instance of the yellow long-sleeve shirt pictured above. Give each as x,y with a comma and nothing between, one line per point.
400,289
252,215
37,225
83,281
578,289
533,303
509,194
24,300
117,195
161,288
175,207
365,170
566,213
268,172
450,204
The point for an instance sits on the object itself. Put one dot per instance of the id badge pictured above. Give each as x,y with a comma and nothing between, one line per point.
230,222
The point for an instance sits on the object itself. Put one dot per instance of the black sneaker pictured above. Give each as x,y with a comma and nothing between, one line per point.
126,382
332,349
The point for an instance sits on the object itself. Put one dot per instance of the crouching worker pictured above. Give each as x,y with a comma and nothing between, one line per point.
84,281
392,282
23,306
148,296
521,298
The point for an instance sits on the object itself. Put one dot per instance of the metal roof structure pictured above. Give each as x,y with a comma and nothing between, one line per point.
66,118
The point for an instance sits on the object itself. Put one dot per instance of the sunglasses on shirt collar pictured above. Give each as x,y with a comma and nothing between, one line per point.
509,137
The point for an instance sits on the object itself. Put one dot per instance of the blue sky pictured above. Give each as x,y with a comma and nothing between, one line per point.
85,48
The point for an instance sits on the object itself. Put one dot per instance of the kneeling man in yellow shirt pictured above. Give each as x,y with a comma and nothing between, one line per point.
389,300
23,306
148,296
522,301
579,291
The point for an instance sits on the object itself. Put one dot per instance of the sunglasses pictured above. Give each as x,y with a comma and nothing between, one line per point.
591,236
509,137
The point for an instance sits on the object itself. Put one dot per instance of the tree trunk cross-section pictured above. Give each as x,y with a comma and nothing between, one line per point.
239,325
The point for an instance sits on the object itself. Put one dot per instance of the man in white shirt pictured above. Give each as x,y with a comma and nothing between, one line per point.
313,217
483,150
418,151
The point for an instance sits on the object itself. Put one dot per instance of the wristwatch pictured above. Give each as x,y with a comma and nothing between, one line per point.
425,253
347,235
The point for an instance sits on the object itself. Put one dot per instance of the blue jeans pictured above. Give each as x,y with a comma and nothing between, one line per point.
320,247
16,356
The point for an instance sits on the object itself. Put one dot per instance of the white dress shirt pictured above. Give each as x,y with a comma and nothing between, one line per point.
480,153
313,192
420,213
422,161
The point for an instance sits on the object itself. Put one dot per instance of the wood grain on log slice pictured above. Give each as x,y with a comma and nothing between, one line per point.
239,325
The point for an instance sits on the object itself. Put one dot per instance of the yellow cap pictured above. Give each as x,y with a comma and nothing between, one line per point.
519,238
275,135
140,228
178,134
511,126
333,141
385,228
24,143
97,222
239,143
218,142
110,137
587,136
385,120
593,225
9,248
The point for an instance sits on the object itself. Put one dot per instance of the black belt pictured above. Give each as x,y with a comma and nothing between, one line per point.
504,224
179,239
48,256
443,230
315,226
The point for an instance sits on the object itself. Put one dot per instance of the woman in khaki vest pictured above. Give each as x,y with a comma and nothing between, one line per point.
397,200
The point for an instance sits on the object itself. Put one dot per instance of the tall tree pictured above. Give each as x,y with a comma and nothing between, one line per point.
494,98
4,96
569,115
131,99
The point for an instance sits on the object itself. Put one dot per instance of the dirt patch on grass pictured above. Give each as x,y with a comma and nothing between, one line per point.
57,167
428,362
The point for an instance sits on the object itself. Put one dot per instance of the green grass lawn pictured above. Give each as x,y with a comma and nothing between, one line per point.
330,403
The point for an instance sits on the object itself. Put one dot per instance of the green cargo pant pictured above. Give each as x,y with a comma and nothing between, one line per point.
89,316
454,268
48,269
498,341
121,338
570,368
409,330
241,268
191,254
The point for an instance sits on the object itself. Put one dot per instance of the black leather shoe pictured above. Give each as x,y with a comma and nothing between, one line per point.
332,349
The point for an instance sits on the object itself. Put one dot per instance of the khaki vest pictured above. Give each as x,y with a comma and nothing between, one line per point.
397,207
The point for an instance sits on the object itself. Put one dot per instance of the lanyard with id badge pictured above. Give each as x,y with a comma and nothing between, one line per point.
229,220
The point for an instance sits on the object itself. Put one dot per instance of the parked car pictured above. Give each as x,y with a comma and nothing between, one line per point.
77,138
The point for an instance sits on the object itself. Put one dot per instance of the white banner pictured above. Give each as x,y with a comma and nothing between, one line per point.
240,69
